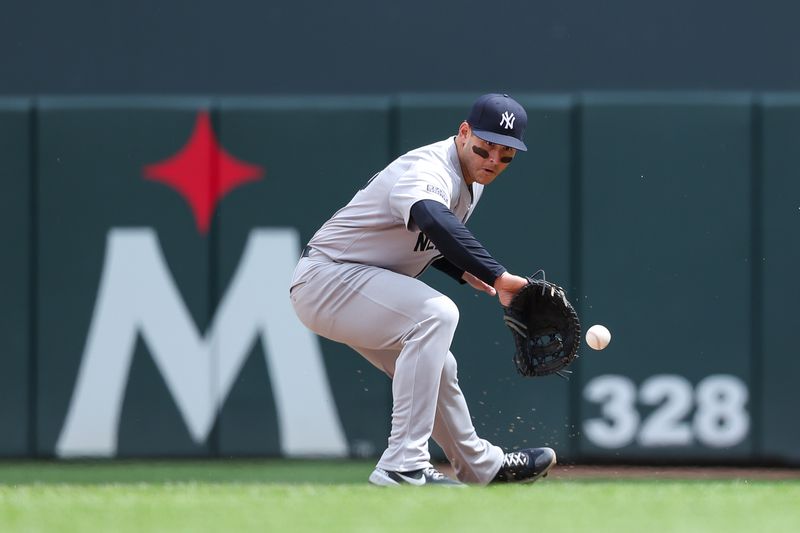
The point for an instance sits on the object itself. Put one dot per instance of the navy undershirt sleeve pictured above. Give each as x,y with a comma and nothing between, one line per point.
455,241
449,268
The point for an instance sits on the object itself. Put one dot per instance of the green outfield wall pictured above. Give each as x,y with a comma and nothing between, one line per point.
17,213
150,242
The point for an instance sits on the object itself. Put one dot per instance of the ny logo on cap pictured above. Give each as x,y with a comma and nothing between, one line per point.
507,120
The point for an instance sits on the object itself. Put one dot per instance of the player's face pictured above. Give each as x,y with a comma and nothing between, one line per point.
482,161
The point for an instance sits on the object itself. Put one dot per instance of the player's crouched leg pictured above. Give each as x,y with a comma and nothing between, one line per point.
440,312
435,322
526,466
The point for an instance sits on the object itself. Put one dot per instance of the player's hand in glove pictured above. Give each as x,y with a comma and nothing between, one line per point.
507,286
545,328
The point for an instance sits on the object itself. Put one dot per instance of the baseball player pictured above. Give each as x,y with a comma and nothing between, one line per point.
356,283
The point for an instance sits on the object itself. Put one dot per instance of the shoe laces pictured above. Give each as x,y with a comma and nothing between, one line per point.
432,473
513,459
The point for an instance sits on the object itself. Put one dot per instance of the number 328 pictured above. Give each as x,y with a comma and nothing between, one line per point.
719,401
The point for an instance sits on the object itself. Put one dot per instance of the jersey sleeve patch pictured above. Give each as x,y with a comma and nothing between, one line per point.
436,190
418,183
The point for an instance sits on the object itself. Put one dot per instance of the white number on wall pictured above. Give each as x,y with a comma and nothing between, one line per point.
617,395
721,418
719,403
666,425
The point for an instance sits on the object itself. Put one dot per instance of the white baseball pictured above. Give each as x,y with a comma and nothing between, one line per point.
598,337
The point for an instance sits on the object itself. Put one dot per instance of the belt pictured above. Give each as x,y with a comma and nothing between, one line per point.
306,251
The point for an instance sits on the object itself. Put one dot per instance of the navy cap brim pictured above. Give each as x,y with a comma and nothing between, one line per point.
505,140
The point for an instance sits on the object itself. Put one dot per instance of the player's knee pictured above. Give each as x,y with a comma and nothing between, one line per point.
445,311
450,368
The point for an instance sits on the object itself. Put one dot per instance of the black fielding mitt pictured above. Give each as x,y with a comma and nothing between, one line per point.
545,327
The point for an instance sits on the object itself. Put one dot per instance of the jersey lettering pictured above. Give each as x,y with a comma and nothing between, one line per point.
423,243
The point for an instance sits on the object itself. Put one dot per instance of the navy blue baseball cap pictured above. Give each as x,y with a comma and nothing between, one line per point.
499,119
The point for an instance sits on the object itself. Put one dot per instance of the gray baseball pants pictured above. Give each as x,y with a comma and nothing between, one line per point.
404,328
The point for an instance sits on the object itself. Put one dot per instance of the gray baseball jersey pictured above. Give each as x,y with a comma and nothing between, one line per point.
375,227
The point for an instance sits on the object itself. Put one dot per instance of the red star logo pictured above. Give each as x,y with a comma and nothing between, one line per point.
203,172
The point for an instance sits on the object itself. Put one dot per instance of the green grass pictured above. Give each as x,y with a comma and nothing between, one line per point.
324,496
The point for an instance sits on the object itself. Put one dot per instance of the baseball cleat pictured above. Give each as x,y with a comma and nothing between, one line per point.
415,478
525,466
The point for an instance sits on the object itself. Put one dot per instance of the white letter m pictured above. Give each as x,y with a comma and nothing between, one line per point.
138,295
